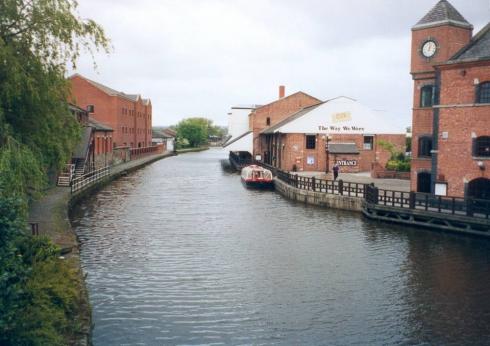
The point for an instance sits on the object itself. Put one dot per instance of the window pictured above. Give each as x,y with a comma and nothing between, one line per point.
268,121
425,146
426,96
483,93
481,146
368,142
310,141
90,108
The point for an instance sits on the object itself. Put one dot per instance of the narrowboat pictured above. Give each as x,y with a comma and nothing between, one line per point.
257,177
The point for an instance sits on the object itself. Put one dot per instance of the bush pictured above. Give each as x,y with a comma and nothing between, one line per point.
46,294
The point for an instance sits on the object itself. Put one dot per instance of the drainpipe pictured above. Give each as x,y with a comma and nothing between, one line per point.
435,131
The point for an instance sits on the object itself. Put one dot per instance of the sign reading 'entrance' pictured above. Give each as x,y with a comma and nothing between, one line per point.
347,162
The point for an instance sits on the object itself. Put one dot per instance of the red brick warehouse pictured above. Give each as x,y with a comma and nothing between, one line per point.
129,115
451,105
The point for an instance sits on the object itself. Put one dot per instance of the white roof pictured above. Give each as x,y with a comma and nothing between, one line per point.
241,143
341,115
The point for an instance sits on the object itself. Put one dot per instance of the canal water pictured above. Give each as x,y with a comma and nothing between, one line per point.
180,253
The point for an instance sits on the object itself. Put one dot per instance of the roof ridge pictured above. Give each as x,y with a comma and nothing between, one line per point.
283,98
110,91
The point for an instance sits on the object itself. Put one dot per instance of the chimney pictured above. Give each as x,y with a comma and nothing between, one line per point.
282,91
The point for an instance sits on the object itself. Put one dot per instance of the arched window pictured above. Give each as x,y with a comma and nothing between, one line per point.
483,93
426,96
425,146
481,146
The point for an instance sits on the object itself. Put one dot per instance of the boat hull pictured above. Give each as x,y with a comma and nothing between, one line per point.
260,185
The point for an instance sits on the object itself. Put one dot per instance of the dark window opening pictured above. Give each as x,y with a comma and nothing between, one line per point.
427,96
483,93
425,146
479,188
423,182
90,108
481,146
368,142
268,121
310,141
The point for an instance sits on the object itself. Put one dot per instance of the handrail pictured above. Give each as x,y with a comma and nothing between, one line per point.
88,179
468,206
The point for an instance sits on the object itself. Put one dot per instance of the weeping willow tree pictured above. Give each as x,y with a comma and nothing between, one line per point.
38,40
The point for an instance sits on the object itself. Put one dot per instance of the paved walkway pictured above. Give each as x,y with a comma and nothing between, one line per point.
363,178
51,211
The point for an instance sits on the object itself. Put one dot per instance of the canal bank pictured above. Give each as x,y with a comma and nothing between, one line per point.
50,215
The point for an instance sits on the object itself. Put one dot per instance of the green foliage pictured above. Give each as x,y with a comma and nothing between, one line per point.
46,298
194,130
398,161
38,291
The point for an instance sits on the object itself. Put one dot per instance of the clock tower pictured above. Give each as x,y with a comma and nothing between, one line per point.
438,36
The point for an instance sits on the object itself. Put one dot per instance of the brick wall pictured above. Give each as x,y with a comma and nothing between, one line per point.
294,152
456,163
276,112
131,121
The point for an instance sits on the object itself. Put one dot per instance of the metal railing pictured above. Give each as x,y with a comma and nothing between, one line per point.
426,202
473,207
136,153
86,180
336,187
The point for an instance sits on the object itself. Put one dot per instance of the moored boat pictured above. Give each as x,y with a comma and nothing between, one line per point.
257,177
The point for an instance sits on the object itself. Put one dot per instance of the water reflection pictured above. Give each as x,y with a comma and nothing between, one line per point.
180,253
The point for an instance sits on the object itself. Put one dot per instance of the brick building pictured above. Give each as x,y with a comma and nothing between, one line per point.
129,115
338,131
450,124
271,114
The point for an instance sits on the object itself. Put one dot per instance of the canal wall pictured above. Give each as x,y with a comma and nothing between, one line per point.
191,150
318,198
51,214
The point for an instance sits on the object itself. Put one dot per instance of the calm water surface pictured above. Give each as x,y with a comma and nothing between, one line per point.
180,253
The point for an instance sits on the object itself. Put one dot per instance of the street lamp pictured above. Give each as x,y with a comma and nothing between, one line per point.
327,139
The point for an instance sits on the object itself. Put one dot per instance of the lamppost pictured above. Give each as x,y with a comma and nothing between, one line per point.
327,139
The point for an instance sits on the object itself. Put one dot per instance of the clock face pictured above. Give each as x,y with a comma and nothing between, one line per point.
429,49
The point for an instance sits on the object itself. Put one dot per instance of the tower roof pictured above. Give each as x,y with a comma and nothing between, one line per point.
442,13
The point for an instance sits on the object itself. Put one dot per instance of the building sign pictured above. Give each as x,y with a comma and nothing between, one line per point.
340,117
340,129
346,162
310,160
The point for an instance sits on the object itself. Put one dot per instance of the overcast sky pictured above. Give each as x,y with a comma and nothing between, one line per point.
200,57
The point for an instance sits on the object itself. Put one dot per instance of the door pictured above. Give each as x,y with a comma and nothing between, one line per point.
479,188
423,182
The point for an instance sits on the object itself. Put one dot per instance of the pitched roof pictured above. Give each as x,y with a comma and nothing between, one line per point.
163,133
99,126
442,13
477,49
236,139
113,92
299,114
284,98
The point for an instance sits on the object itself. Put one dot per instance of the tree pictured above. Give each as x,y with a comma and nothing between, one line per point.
398,161
194,130
38,39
